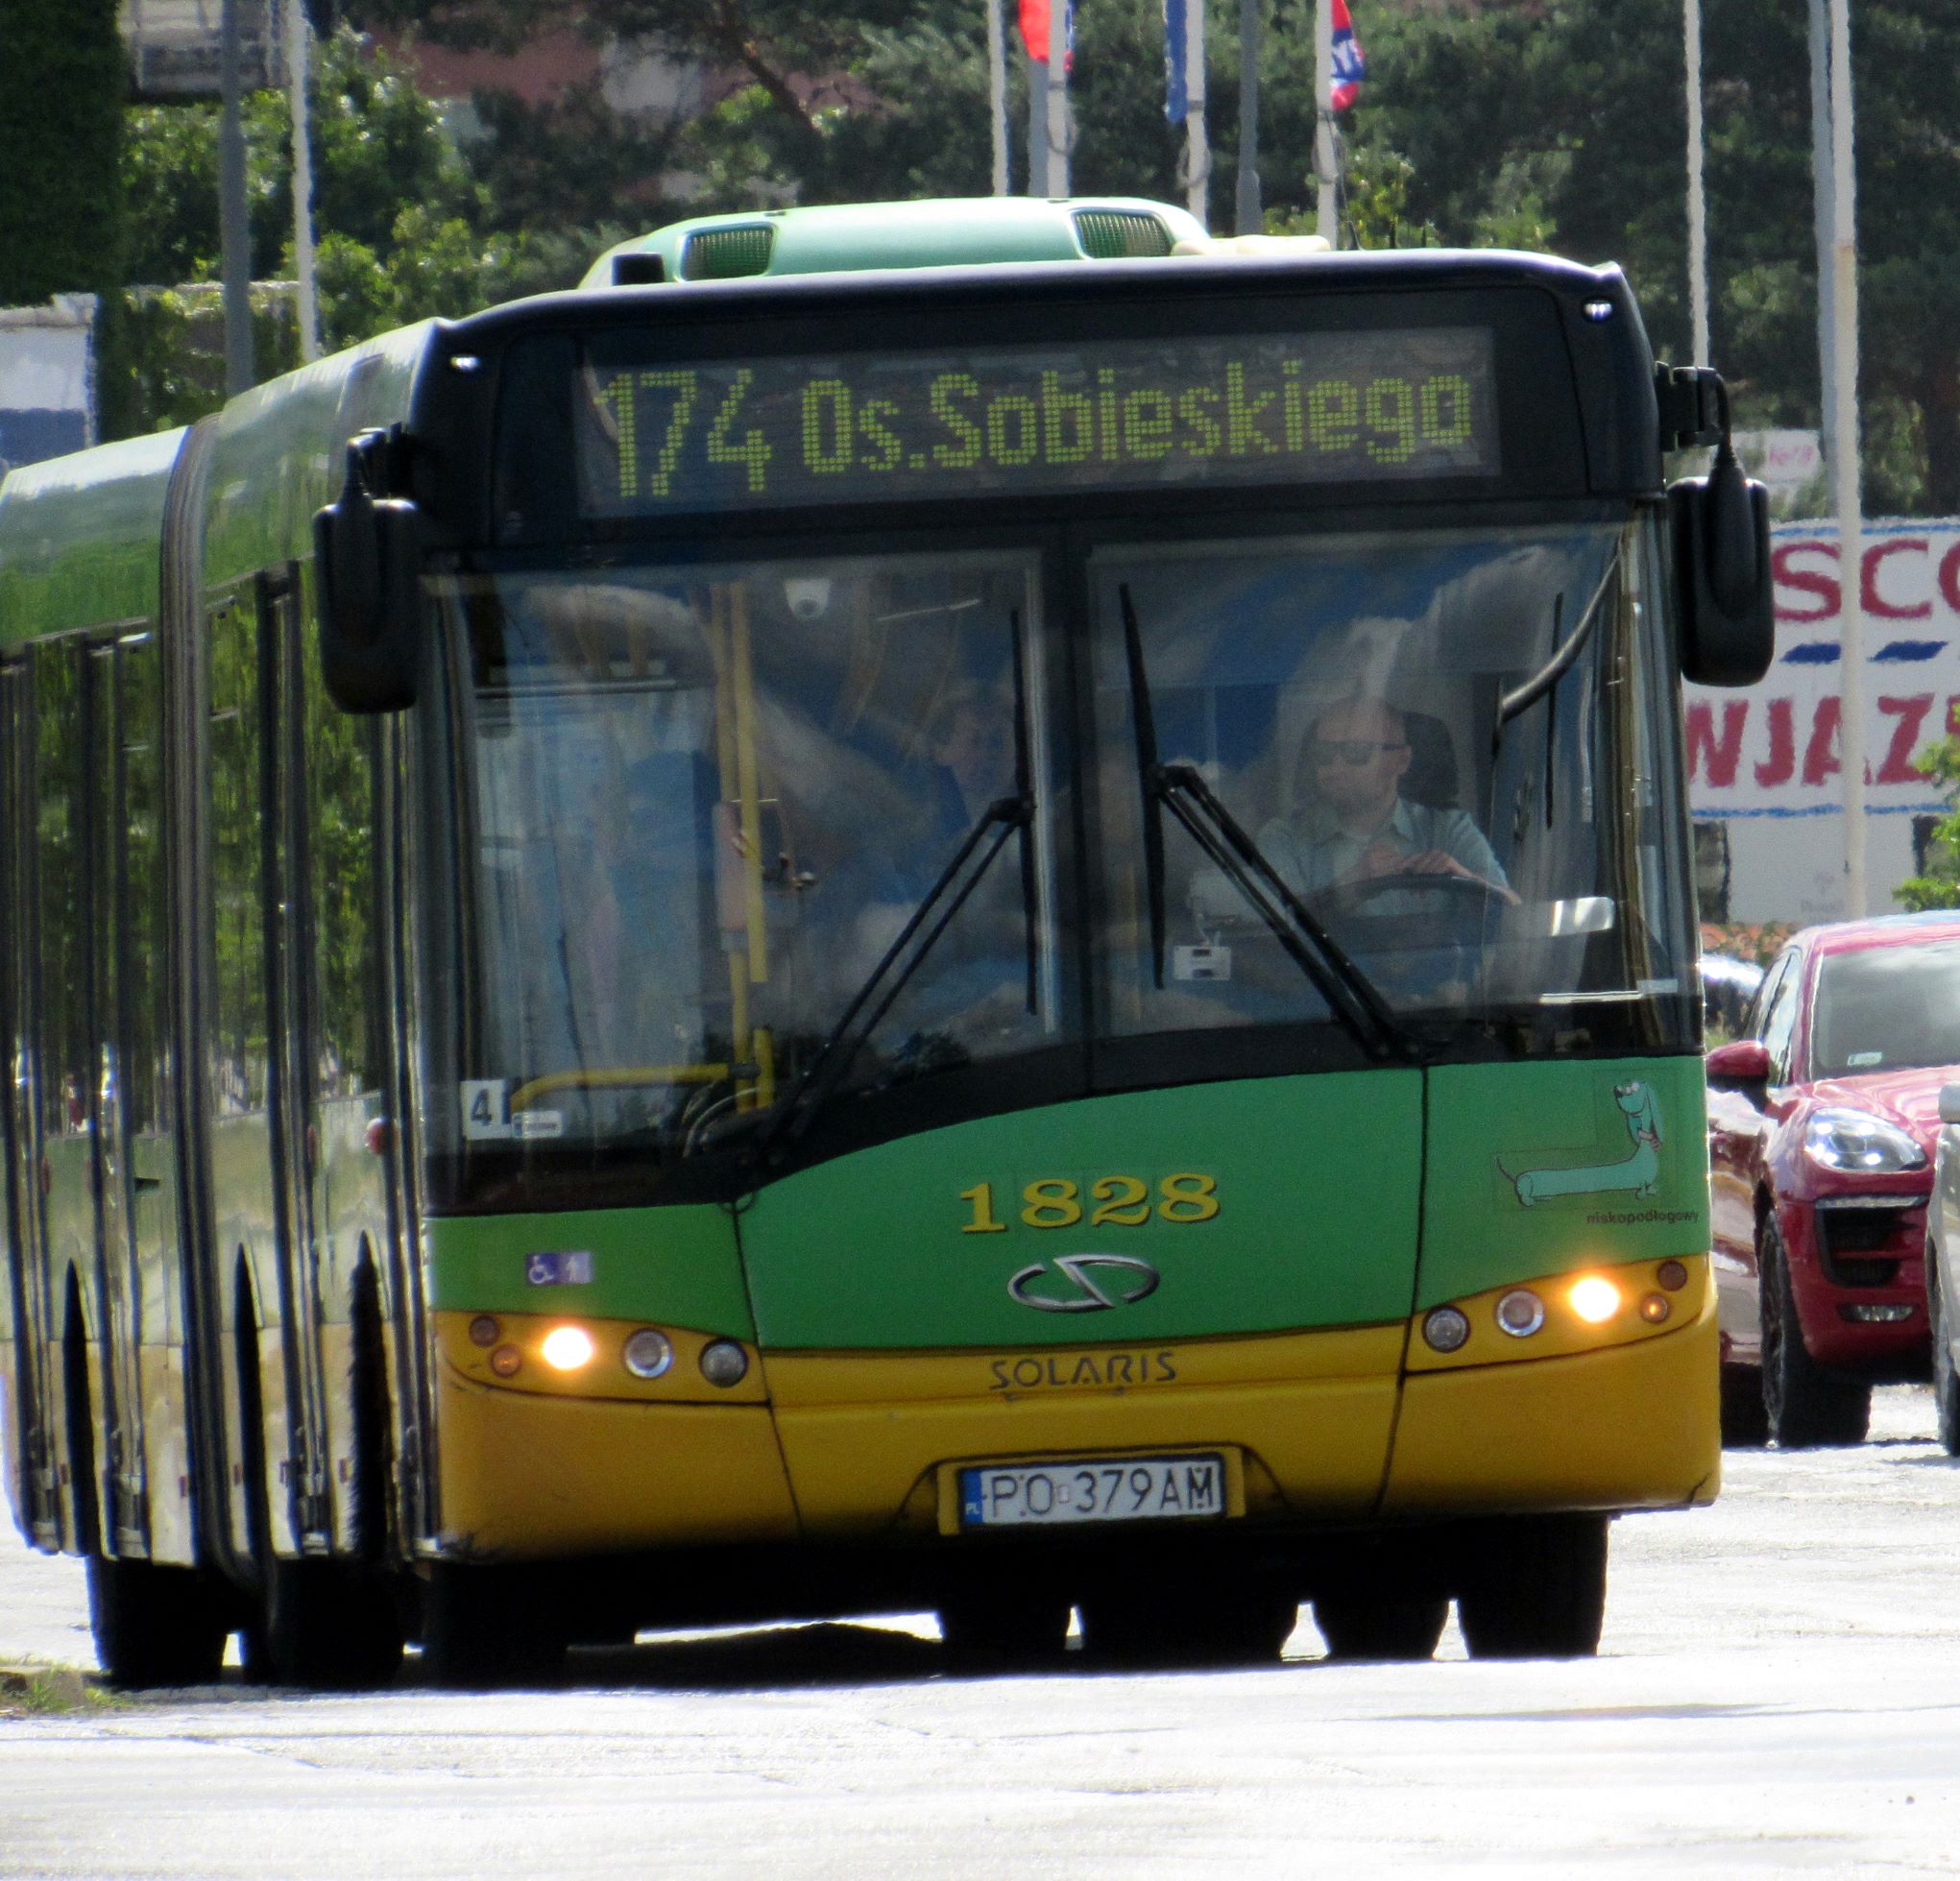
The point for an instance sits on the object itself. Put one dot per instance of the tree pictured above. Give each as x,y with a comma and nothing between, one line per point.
62,85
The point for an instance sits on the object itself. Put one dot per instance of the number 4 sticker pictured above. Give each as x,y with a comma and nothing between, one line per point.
486,1110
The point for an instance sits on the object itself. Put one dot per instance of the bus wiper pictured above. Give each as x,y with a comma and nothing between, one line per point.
1182,790
936,911
1522,699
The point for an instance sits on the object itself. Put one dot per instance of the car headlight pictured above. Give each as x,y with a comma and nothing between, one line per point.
1849,1140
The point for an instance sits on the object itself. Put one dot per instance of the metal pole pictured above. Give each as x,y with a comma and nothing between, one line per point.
1249,219
1057,97
1850,523
1698,210
234,228
997,91
1325,169
1197,140
1037,125
299,48
1820,184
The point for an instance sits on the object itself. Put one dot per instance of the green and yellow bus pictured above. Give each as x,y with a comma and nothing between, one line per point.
975,907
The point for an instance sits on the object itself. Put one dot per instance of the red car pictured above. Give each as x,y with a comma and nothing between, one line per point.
1823,1120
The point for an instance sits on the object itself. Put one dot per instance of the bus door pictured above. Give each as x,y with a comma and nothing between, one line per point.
65,1065
122,1406
30,1412
291,1037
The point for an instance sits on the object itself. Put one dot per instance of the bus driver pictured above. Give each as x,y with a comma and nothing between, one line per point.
1358,827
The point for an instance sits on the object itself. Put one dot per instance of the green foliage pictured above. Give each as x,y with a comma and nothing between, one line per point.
1939,886
62,84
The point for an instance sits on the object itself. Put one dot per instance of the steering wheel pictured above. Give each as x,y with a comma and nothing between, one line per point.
1413,881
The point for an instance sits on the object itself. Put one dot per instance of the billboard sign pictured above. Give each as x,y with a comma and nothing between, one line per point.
176,47
47,404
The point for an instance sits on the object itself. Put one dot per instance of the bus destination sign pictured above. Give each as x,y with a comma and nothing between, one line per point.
787,431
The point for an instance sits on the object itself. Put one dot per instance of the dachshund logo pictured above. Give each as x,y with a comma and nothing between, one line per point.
1637,1173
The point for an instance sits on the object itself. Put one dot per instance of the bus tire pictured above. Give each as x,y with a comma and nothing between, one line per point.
329,1626
1535,1588
155,1624
999,1628
482,1630
1807,1406
1745,1418
1380,1626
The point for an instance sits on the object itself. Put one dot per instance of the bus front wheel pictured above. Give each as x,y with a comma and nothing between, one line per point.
1535,1588
487,1628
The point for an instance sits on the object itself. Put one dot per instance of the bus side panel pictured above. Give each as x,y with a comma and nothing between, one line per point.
1536,1170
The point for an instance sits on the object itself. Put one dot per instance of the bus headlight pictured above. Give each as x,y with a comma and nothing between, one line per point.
1595,1299
1521,1312
724,1363
566,1348
1446,1329
648,1353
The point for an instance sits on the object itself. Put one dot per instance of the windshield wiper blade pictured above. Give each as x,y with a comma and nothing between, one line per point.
1181,790
939,906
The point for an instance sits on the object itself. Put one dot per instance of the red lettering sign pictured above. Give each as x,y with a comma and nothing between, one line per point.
1721,753
1780,765
1868,587
1830,596
1911,714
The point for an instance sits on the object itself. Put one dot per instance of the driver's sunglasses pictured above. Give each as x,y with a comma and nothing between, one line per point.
1352,751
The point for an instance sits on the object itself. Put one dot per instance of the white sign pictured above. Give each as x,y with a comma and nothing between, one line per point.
1776,749
1783,459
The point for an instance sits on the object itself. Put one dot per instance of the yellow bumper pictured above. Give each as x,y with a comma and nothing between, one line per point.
1634,1426
526,1476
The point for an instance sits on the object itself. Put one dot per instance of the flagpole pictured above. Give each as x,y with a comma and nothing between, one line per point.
1698,212
1037,125
1057,97
997,91
1844,390
1249,219
1197,143
1324,121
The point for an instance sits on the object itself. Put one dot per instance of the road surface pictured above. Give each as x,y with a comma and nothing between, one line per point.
1779,1692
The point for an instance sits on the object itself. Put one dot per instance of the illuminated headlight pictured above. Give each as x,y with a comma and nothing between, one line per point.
1446,1329
1595,1299
1850,1140
724,1363
648,1353
568,1347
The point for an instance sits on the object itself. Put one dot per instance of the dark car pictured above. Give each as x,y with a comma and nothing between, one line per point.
1823,1119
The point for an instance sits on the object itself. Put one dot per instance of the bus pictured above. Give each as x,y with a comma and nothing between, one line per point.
971,906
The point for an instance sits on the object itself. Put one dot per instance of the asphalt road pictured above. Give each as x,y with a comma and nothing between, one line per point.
1779,1692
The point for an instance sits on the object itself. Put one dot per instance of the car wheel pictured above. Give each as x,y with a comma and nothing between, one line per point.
1807,1407
1535,1589
1745,1417
1379,1627
1945,1380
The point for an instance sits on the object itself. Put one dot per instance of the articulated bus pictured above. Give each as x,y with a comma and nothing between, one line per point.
963,907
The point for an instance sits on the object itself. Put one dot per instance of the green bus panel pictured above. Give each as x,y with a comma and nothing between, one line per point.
1537,1169
675,1266
1265,1206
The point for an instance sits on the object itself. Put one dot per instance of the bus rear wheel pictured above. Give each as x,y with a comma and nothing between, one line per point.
482,1630
1535,1588
1380,1626
155,1624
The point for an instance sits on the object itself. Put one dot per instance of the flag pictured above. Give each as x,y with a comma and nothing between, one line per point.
1034,31
1349,66
1177,95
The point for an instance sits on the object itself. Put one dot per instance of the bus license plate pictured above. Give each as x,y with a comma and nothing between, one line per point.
1123,1489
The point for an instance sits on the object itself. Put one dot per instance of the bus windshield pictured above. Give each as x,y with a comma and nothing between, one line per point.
704,805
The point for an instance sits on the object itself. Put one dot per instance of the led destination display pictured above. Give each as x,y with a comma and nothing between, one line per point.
1257,409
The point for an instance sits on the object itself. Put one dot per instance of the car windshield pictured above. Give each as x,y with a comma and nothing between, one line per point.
1886,1008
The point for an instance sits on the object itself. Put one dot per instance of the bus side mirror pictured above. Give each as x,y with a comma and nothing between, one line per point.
367,571
1721,525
